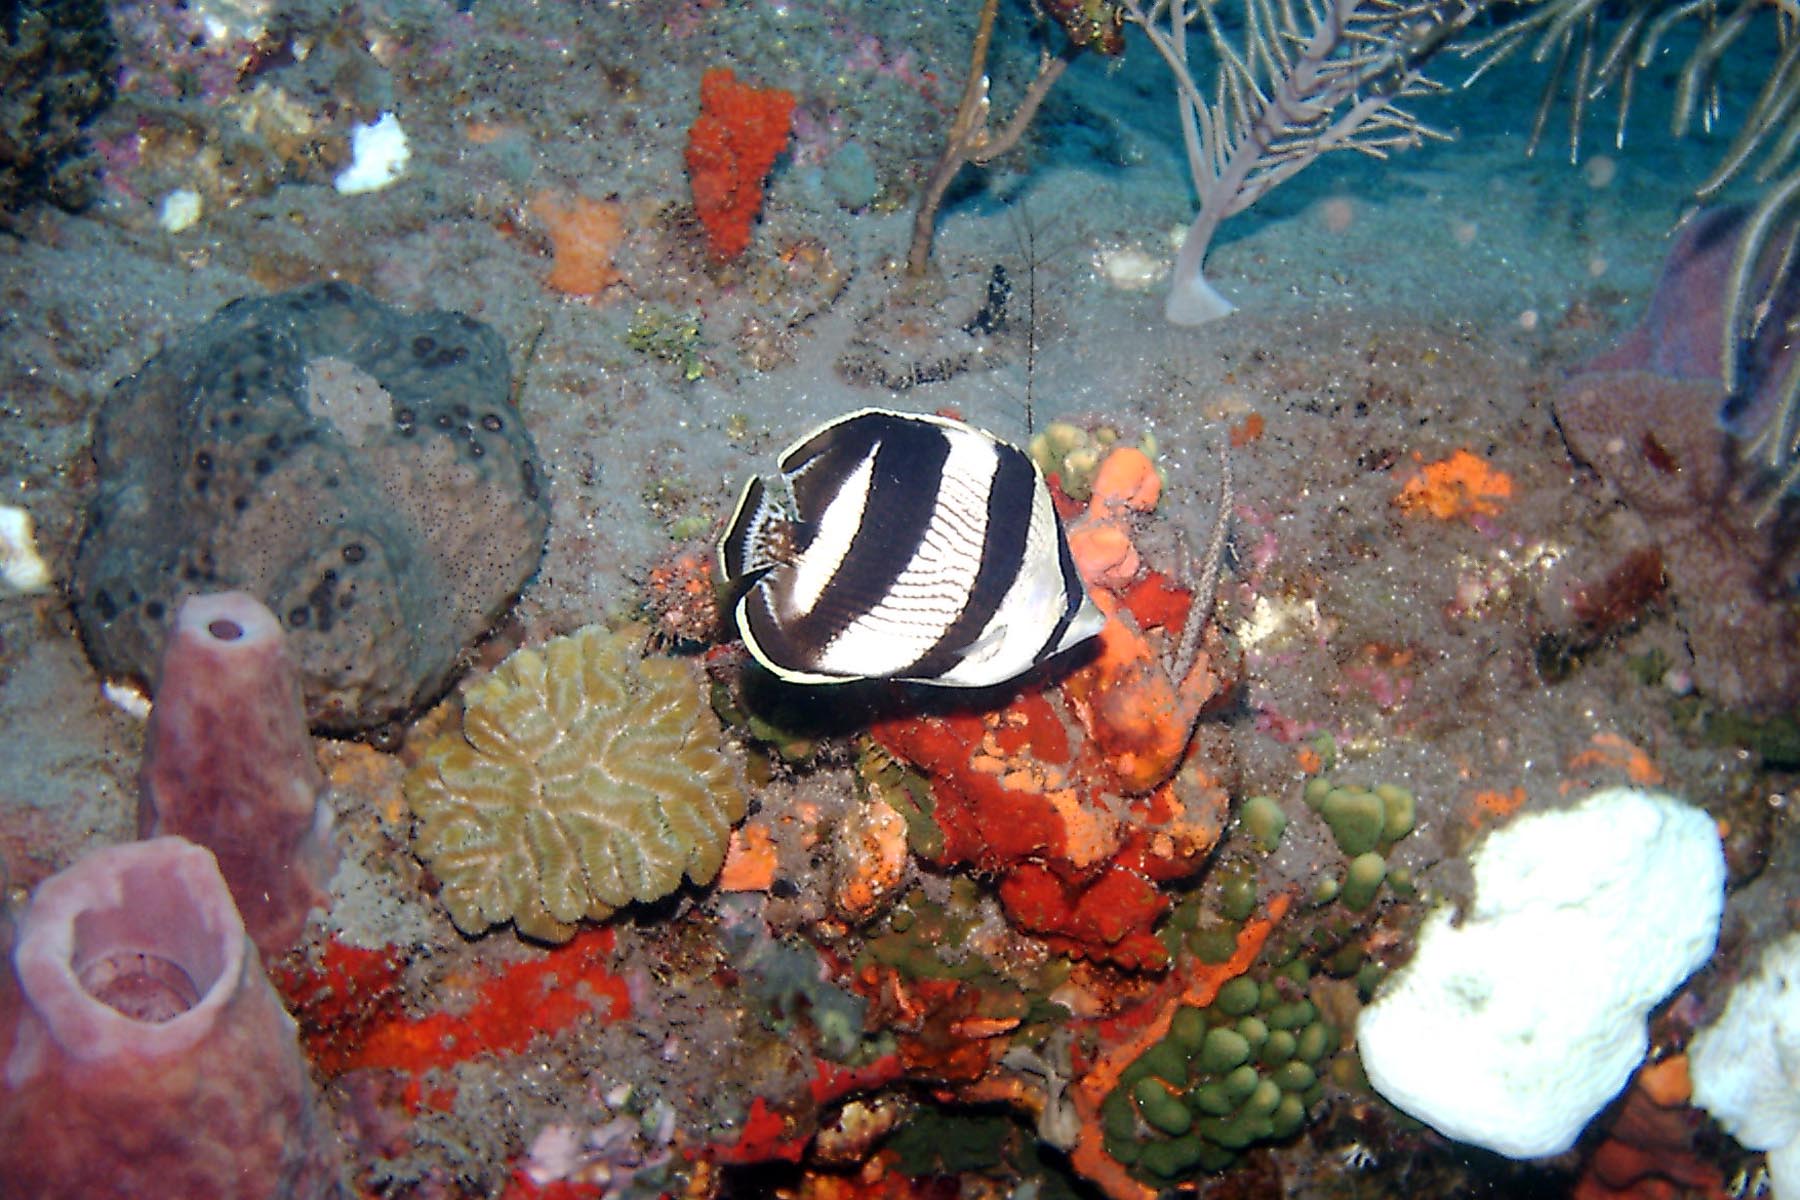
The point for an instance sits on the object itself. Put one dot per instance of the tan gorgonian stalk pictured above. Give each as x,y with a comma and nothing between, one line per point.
971,139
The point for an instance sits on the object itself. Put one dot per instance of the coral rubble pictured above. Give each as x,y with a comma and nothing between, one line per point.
144,1052
357,469
583,779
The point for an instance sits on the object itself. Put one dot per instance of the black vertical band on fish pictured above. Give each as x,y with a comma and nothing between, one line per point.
1007,527
904,546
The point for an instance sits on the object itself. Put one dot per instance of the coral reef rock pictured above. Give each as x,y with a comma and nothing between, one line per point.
1647,416
356,468
143,1052
583,778
57,59
228,764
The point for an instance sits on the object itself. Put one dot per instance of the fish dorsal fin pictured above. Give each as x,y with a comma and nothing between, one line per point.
763,531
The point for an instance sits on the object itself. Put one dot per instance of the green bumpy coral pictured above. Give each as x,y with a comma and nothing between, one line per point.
1244,1069
584,778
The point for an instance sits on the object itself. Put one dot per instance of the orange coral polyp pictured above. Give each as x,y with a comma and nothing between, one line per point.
1126,479
1128,705
750,860
731,148
512,1005
1077,797
1104,555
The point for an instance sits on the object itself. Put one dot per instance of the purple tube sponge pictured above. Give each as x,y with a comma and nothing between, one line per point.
142,1051
228,764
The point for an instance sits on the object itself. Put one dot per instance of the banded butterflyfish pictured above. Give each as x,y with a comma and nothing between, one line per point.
902,546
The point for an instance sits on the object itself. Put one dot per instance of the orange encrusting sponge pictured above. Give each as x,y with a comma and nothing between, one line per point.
1463,485
584,236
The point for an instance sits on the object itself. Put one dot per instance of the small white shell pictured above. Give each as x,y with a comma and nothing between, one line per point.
1130,268
22,569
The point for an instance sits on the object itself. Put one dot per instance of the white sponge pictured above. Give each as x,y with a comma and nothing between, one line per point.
1512,1028
1746,1065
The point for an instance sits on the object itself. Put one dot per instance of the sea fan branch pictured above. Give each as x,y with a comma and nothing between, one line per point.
1299,80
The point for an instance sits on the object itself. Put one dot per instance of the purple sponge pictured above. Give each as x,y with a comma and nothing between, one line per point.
142,1051
228,763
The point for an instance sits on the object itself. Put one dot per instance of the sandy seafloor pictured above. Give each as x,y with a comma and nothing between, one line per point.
1390,313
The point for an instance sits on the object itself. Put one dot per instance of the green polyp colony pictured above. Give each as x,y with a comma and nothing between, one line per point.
670,337
1242,1070
881,776
923,939
1249,1067
1366,823
1262,818
1210,932
1362,819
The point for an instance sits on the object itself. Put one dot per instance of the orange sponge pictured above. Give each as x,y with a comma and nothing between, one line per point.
585,235
1463,485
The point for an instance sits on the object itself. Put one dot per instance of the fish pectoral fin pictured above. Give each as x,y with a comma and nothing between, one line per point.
764,533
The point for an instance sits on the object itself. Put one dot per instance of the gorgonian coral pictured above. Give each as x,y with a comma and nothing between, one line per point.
583,778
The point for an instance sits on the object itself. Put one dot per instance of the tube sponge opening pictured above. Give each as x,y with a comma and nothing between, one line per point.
231,623
133,950
229,764
143,1054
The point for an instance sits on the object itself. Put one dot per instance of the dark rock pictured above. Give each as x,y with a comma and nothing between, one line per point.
357,468
57,59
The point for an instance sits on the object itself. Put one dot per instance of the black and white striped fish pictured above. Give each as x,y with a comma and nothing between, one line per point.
894,545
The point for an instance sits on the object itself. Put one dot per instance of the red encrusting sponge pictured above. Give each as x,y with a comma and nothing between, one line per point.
731,147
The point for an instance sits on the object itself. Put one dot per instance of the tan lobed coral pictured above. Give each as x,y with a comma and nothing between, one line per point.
583,778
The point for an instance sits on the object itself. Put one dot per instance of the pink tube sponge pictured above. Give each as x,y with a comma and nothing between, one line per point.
142,1051
229,764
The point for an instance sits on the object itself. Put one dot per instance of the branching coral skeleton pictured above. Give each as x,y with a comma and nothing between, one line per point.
1288,93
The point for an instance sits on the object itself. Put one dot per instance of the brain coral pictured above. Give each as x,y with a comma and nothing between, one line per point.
583,778
356,468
